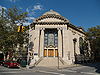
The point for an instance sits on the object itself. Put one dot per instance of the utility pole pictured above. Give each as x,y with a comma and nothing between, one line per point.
20,30
27,66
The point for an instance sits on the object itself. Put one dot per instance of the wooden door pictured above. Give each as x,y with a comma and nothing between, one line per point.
45,53
56,53
50,52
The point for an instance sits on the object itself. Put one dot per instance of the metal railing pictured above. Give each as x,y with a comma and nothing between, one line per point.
38,61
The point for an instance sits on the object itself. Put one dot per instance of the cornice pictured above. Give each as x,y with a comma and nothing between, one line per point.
76,28
58,23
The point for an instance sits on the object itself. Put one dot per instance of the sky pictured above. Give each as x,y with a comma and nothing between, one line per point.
84,13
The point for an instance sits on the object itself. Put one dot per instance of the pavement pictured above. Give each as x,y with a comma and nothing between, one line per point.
84,69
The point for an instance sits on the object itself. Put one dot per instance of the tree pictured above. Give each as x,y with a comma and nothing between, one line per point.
9,37
94,37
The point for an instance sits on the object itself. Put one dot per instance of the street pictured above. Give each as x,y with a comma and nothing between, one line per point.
79,70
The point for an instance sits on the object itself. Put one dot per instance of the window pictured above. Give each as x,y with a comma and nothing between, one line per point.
50,37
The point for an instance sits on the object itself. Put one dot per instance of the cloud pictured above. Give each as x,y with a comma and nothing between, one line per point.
27,9
30,18
12,1
37,7
2,7
26,23
32,9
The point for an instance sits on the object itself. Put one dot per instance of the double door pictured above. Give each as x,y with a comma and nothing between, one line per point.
50,52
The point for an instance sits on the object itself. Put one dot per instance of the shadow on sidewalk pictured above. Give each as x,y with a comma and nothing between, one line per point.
96,65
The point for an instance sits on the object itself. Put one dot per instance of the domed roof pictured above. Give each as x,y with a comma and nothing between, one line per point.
51,12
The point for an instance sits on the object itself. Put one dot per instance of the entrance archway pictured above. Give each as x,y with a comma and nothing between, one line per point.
50,43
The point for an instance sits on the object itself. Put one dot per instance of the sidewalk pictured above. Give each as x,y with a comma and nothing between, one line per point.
48,68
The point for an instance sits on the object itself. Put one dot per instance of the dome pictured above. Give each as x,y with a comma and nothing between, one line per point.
51,12
51,15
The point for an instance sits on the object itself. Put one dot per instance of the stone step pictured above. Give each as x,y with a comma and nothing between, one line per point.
50,62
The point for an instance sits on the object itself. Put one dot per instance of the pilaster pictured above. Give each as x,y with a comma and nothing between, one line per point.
60,42
42,42
65,43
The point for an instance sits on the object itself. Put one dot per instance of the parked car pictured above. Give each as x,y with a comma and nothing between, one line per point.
11,63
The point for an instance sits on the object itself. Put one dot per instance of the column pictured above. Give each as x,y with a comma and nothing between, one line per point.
59,42
65,43
54,52
42,42
47,52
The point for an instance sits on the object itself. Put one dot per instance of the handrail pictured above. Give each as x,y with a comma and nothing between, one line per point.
62,60
37,62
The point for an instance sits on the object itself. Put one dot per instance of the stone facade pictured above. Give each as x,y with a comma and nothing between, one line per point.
67,44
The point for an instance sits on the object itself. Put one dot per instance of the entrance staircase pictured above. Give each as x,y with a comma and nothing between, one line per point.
50,62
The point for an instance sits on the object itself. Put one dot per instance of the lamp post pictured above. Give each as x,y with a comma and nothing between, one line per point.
74,41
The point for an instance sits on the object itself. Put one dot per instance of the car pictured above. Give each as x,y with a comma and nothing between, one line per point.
11,63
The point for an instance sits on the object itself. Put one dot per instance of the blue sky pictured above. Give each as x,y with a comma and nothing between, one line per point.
85,13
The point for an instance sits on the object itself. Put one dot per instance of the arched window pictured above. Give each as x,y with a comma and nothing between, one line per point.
81,45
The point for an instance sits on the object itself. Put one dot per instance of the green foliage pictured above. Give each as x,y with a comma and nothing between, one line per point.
9,37
16,15
94,37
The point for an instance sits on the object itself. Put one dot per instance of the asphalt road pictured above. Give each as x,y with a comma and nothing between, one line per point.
80,70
